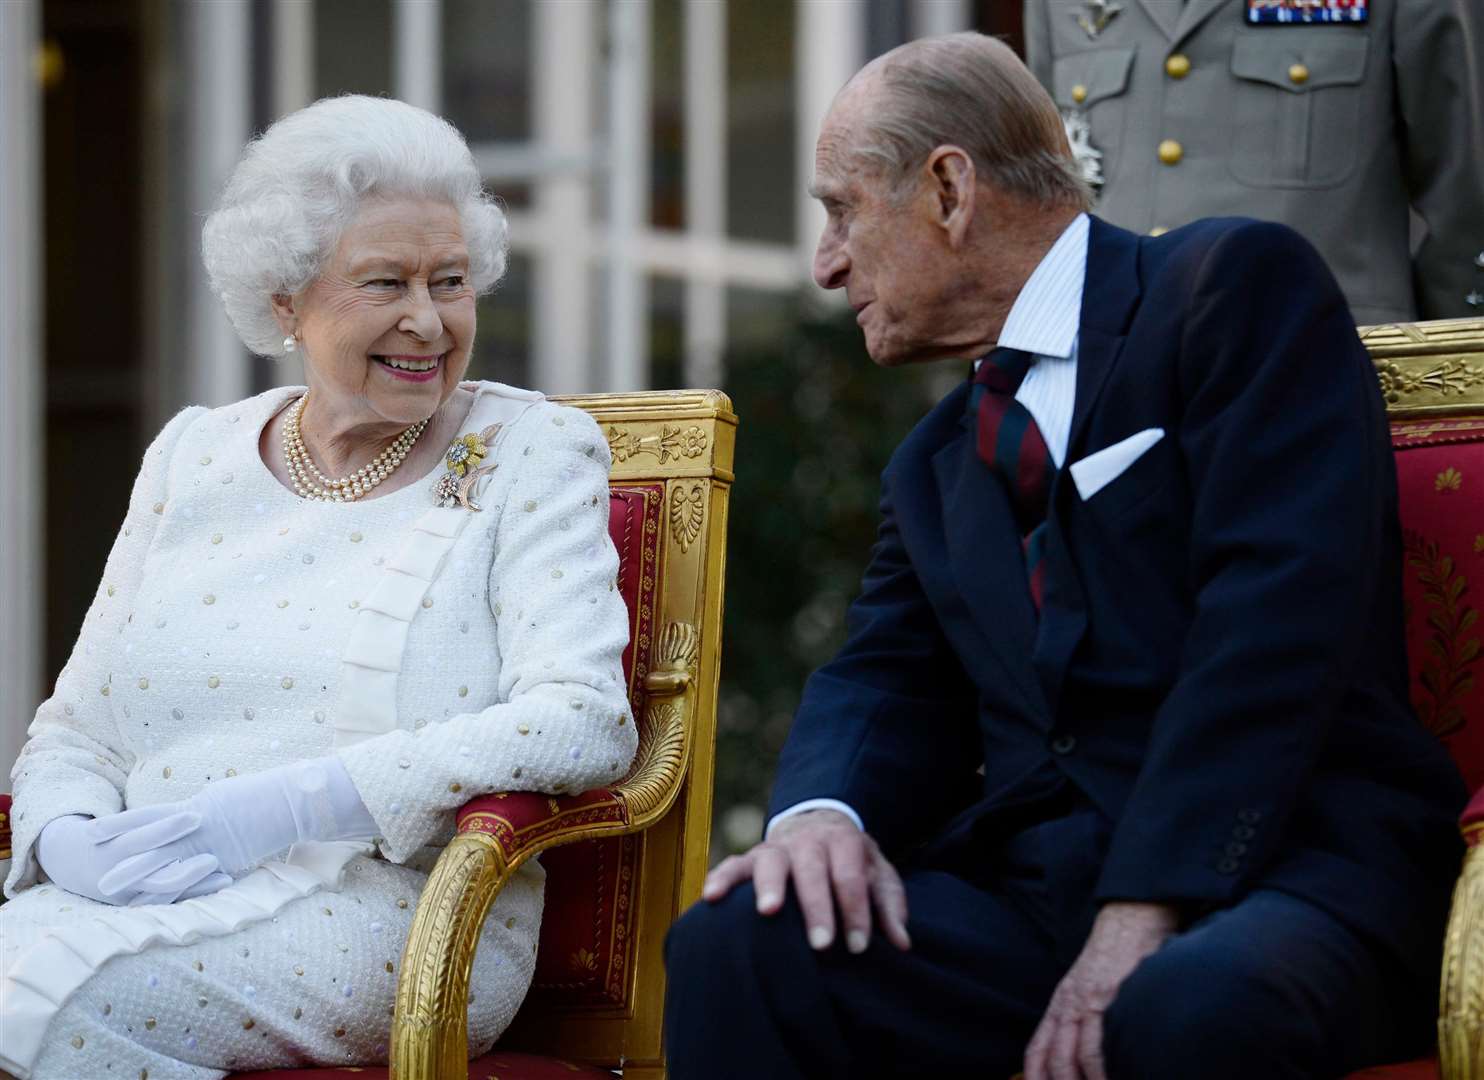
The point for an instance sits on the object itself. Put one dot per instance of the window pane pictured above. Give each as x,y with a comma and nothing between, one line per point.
760,120
353,47
502,350
667,116
666,333
487,68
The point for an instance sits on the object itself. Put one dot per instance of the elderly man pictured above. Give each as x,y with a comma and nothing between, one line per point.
1143,567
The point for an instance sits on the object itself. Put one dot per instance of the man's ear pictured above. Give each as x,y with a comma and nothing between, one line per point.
952,183
285,313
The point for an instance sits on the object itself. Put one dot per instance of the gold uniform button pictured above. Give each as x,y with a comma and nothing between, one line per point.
1298,74
1158,230
1177,66
1079,93
1170,152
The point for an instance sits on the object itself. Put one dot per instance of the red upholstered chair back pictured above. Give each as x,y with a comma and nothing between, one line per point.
1432,375
592,887
598,993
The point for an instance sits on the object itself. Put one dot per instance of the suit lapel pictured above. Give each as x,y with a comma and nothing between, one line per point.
1109,297
1165,14
1111,292
1193,14
985,560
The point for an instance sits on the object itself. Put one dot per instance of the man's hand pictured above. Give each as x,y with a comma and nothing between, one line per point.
831,863
1068,1045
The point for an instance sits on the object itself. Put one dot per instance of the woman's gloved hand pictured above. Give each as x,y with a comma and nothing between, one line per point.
93,857
246,819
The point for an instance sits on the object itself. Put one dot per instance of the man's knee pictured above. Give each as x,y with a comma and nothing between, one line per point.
709,934
1180,1015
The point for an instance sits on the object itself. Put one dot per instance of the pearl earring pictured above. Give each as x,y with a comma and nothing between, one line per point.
290,343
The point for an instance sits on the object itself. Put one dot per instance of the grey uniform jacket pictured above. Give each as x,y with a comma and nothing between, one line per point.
1334,129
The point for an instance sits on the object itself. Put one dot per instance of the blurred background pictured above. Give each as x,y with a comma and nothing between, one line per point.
652,156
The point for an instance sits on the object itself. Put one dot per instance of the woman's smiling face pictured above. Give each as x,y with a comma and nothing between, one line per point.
387,328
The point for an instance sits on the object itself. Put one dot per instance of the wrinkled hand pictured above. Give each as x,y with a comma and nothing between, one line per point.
1068,1044
90,857
831,862
246,819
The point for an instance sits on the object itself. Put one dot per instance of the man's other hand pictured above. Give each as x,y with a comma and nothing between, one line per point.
1068,1044
832,864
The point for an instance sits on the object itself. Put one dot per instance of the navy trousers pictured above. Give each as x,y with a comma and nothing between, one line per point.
1270,988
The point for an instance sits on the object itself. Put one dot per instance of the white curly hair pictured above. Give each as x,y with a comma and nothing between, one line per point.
302,181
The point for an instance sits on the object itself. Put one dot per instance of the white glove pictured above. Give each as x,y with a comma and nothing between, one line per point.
246,819
89,857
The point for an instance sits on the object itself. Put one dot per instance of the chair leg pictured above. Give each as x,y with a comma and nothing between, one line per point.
430,1036
1461,1004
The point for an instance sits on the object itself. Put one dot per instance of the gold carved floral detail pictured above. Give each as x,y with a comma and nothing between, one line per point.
687,512
1450,479
585,960
1451,376
1444,671
671,443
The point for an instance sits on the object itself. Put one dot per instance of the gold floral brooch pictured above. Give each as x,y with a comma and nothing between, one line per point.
464,462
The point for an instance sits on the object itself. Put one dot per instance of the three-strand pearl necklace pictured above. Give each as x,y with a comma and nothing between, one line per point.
310,483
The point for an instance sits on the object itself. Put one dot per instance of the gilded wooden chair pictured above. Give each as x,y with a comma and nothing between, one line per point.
1432,375
633,856
626,860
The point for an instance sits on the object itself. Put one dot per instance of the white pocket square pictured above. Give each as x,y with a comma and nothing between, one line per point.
1097,471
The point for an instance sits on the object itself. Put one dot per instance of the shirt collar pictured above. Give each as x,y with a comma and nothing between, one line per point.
1045,316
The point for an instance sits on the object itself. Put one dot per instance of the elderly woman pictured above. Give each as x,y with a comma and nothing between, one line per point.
331,617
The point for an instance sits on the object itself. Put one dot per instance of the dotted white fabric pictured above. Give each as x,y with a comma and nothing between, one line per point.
216,644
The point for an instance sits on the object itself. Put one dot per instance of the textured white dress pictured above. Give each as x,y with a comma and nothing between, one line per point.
441,653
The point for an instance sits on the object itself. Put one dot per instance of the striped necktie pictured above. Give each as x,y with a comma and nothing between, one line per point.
1009,442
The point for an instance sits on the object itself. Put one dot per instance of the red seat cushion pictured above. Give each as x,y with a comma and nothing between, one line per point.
1421,1069
493,1066
1440,477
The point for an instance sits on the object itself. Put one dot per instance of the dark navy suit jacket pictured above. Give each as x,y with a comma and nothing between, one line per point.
1219,666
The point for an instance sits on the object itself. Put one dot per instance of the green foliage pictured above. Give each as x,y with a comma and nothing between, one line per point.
818,423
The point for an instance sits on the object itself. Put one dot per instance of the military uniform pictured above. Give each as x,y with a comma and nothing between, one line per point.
1336,128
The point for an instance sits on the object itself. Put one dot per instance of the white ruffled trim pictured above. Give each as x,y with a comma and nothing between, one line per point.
372,662
46,975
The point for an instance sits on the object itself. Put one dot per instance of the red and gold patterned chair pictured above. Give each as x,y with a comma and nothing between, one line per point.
625,861
1432,375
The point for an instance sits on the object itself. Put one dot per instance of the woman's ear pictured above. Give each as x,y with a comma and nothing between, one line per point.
284,312
952,183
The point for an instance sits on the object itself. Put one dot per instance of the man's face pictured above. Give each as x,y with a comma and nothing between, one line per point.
882,247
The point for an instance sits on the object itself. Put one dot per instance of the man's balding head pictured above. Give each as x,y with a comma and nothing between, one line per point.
970,91
945,177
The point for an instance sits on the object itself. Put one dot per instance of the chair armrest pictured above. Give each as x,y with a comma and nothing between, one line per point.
1461,1000
496,834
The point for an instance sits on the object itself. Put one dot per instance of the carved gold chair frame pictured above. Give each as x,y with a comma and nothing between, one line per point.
1432,376
681,442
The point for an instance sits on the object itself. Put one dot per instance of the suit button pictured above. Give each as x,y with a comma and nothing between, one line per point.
1177,66
1227,866
1079,93
1170,152
1063,744
1298,74
1234,849
1249,816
